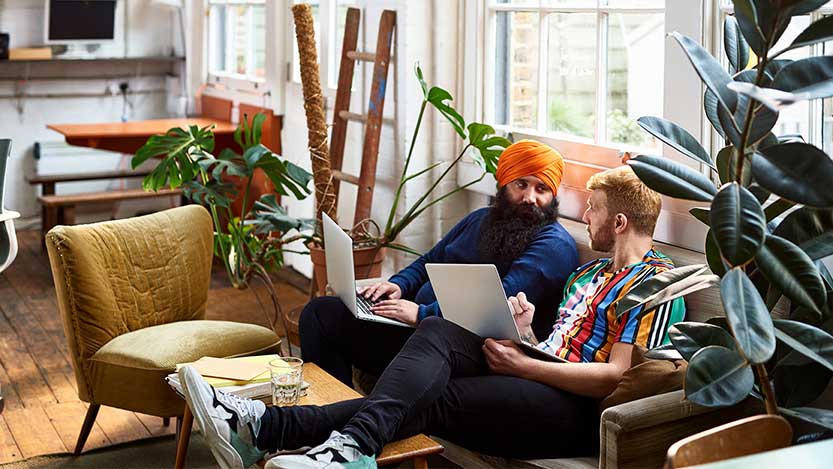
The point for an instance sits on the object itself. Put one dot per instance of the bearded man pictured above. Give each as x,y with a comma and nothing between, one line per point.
519,233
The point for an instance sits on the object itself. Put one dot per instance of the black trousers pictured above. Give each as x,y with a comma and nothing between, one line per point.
332,338
439,384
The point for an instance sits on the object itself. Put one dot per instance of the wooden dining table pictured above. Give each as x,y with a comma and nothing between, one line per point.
127,137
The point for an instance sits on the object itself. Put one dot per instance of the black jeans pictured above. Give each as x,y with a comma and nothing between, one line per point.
439,384
332,338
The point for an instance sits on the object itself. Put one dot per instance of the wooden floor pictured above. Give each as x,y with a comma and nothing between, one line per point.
42,412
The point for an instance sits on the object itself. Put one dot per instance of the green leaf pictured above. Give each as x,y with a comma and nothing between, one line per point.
736,47
488,146
737,223
763,119
810,78
726,165
254,154
709,70
807,340
797,386
689,337
713,258
717,377
748,315
269,216
666,286
672,179
819,31
710,105
285,176
795,171
792,272
811,229
747,17
676,137
701,214
821,417
421,80
802,7
438,97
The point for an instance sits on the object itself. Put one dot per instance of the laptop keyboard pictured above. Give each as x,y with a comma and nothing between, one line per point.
363,305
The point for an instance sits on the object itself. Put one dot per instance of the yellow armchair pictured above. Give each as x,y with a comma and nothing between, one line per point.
132,294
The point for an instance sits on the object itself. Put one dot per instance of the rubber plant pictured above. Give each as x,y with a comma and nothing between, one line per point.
250,244
770,219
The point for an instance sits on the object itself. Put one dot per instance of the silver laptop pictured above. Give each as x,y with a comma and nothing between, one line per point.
472,296
342,277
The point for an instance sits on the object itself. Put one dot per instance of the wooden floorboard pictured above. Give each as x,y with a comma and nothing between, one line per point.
43,414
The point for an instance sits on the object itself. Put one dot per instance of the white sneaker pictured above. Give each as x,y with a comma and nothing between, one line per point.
229,423
339,451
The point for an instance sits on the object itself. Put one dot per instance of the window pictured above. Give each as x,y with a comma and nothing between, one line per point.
237,40
576,69
332,14
812,120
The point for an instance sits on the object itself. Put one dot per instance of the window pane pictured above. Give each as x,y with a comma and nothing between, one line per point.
827,113
237,39
296,60
335,58
794,119
634,74
516,69
635,3
571,74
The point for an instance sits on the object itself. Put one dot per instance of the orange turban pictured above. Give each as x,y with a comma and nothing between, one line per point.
530,158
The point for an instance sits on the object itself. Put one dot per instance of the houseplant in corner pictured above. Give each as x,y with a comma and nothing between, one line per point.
478,141
770,220
250,244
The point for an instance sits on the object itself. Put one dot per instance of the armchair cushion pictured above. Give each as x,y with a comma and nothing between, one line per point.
646,378
129,371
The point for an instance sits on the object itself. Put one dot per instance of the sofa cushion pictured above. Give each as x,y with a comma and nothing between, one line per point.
129,371
646,378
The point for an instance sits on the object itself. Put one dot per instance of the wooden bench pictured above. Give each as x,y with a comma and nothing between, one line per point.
60,209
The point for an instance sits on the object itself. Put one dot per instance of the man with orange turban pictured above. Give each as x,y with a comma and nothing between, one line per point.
519,233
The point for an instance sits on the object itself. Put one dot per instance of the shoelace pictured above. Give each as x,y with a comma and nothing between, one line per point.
244,408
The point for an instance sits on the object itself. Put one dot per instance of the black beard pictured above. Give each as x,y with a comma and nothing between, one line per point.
509,228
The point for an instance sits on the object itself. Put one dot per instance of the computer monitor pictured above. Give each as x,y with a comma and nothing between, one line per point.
80,21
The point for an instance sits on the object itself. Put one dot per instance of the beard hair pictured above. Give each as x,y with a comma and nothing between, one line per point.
602,240
509,228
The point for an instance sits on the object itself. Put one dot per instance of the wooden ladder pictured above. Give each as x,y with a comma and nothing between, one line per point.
372,120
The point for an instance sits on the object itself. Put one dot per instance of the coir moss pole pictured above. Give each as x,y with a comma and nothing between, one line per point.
316,118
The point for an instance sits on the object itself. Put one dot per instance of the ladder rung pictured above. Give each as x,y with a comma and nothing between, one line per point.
352,116
365,56
344,177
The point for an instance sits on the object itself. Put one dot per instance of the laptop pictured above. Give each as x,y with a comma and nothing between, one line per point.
342,277
472,296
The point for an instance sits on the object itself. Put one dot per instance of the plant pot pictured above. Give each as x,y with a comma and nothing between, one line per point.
367,263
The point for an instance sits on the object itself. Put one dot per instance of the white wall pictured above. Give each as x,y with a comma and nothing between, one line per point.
149,31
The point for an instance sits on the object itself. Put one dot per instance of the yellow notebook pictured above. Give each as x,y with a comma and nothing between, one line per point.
258,359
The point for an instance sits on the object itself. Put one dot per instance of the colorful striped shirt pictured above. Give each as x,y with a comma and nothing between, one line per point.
587,326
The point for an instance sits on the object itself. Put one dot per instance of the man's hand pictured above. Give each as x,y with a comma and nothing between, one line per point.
505,358
379,290
523,311
401,310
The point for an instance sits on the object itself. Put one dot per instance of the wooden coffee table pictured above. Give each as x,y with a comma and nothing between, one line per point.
324,389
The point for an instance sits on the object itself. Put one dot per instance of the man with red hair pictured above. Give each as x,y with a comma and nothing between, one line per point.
519,233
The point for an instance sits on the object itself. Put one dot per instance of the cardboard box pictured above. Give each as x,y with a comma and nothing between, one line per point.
30,53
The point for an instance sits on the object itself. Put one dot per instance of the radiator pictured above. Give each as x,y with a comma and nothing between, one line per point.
57,157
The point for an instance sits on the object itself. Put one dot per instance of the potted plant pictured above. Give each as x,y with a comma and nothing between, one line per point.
250,243
770,219
370,239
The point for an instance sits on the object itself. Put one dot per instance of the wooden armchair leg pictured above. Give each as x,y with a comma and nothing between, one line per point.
183,435
89,420
421,463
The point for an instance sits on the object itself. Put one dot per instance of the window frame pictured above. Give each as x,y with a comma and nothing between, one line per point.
543,9
236,82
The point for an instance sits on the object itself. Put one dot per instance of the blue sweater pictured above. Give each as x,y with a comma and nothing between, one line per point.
540,272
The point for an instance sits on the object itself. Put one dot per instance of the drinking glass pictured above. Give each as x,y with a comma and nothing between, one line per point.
287,375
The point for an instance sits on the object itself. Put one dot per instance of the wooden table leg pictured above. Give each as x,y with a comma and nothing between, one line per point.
184,437
421,462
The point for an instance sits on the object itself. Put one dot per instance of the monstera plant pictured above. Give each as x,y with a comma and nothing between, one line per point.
249,243
770,219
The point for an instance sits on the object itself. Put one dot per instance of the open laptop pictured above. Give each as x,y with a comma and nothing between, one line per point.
342,277
472,296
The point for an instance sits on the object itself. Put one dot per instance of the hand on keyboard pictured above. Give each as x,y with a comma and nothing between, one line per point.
400,310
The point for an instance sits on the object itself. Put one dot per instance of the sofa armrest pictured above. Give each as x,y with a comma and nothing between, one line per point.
637,434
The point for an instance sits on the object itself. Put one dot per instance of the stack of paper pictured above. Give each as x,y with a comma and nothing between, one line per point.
244,376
